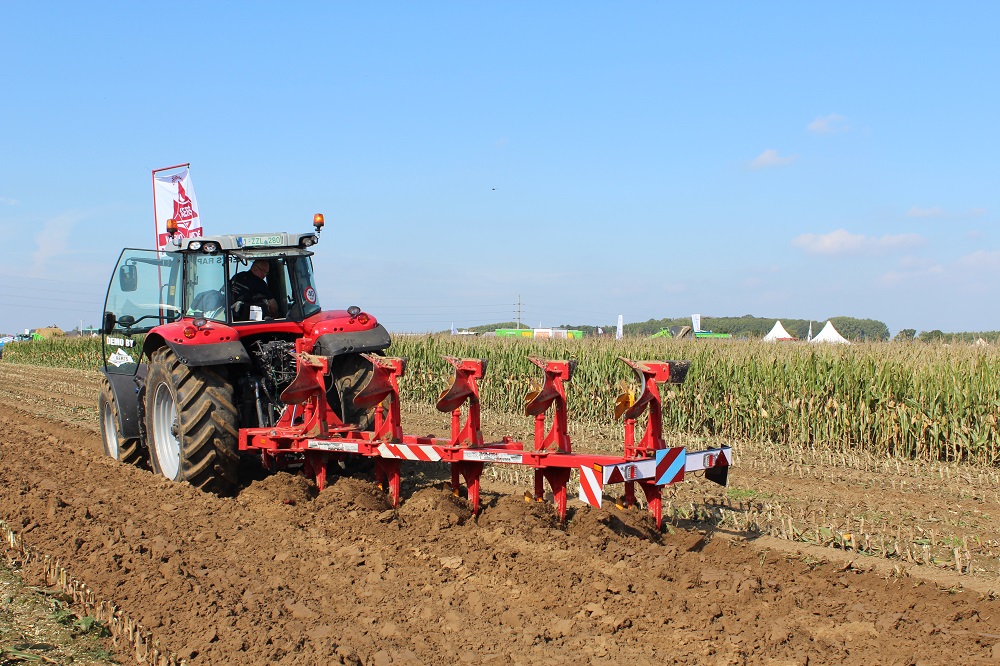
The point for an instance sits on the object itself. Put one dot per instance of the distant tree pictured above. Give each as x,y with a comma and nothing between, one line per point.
931,336
489,328
861,329
746,326
588,329
906,335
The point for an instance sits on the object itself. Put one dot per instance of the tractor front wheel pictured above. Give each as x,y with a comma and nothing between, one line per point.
122,449
191,424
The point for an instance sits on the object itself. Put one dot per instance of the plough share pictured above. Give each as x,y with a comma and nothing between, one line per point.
308,430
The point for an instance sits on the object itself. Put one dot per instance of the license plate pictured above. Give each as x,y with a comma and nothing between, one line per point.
259,241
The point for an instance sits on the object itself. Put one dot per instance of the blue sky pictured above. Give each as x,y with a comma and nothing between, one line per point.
790,160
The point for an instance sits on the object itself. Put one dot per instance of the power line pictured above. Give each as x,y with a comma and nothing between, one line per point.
35,277
91,311
410,301
15,290
74,301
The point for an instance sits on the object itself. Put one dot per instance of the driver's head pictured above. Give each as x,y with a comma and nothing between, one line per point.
261,268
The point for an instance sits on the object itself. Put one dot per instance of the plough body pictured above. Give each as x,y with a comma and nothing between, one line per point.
309,431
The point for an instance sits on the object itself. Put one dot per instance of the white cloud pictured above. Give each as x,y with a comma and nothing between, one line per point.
842,242
764,268
673,287
829,124
938,211
53,242
7,201
771,158
759,275
972,272
934,211
915,263
902,276
981,260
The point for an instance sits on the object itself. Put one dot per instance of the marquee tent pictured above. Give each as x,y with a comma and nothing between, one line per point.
830,334
778,333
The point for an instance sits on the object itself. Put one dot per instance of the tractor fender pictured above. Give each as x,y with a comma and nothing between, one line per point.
352,342
126,393
192,354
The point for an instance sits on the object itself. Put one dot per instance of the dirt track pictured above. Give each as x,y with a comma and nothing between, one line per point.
280,575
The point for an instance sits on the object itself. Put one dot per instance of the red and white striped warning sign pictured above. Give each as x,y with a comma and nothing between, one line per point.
423,452
670,465
591,490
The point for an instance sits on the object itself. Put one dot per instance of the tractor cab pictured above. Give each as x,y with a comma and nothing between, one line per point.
202,278
218,270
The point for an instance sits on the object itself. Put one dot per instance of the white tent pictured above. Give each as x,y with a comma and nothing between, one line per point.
830,334
777,333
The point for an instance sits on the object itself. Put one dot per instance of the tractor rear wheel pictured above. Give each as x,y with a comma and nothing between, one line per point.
191,424
122,449
350,373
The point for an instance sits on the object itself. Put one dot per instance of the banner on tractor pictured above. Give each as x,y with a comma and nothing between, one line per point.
173,198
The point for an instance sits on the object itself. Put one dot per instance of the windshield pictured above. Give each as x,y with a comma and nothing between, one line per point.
303,272
271,287
143,293
205,287
143,290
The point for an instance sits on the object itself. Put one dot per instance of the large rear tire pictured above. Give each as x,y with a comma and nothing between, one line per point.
191,424
350,374
122,449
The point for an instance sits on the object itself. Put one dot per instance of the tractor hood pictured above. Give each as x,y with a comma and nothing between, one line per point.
338,321
346,332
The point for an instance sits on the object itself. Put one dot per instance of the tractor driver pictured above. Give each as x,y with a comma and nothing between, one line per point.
250,288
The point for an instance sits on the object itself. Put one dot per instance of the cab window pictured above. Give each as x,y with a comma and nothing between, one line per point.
205,287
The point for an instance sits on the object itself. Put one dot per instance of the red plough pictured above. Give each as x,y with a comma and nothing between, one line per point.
309,429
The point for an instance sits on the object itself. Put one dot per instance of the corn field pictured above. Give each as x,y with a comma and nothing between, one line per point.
77,353
913,401
921,402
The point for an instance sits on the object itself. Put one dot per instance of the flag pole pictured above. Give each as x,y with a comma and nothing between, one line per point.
156,236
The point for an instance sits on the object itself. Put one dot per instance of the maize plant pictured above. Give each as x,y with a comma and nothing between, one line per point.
926,402
914,401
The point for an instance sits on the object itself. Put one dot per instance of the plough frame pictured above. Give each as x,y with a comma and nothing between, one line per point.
310,431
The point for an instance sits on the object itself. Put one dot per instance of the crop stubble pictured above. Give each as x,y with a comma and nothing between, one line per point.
280,575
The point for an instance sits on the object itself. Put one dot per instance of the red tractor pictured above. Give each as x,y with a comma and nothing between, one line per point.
192,354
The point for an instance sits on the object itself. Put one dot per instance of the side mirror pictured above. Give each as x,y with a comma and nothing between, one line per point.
109,322
128,278
126,321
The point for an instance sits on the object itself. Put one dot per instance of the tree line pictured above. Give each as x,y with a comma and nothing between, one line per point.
751,327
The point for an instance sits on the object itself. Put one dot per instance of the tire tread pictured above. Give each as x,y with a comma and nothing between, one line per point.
207,423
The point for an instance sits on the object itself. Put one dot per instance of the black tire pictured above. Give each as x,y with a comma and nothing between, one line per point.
126,450
350,374
191,424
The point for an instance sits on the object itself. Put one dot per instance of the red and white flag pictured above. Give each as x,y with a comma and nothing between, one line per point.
174,199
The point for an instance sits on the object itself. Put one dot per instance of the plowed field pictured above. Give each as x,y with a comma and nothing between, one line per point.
282,575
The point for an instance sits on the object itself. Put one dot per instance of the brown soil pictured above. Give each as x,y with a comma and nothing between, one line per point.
282,575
